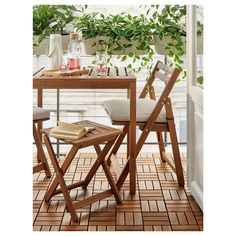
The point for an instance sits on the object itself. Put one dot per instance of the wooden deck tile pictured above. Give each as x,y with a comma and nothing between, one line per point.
158,205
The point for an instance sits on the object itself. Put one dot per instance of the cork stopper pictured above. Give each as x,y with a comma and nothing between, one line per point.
74,36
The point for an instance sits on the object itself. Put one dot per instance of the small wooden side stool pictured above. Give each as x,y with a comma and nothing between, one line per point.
99,135
39,115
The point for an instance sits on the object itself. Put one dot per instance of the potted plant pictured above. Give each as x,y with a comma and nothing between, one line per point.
132,36
122,34
50,19
170,31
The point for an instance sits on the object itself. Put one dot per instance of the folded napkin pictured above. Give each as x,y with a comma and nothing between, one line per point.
69,131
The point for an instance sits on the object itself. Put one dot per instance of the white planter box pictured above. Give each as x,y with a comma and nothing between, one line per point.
92,50
160,44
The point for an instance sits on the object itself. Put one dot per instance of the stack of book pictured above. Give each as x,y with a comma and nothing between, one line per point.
69,131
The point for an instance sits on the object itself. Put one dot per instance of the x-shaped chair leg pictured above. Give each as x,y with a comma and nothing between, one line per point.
59,180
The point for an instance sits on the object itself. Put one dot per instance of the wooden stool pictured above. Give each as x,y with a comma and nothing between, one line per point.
100,135
40,115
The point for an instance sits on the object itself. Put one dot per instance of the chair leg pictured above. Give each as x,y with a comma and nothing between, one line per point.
40,151
126,168
176,153
111,182
64,167
161,145
97,148
61,181
118,143
98,162
128,141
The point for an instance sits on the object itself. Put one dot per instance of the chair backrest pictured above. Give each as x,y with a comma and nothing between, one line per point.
160,71
169,77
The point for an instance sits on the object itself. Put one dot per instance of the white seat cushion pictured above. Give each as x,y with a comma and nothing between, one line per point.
119,110
40,113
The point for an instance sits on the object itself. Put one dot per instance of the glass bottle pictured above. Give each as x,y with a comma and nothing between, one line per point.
73,58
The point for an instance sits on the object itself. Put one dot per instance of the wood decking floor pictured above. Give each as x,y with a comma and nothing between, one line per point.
158,205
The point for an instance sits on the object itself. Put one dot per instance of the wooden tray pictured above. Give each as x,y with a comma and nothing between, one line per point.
65,72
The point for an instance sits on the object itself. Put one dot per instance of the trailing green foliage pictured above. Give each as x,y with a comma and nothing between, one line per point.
138,32
120,33
49,19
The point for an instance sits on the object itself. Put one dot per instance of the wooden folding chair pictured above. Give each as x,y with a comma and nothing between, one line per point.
99,135
40,115
152,115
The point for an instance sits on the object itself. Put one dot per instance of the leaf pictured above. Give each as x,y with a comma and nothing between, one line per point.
119,48
170,53
131,54
124,58
145,59
52,24
200,79
179,67
129,66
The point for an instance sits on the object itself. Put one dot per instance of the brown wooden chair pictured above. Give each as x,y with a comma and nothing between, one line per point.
99,135
151,116
40,115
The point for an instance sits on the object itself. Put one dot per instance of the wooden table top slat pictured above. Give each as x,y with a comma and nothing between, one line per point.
122,72
112,72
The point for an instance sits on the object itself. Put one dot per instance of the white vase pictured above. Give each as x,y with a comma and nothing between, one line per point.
42,49
55,53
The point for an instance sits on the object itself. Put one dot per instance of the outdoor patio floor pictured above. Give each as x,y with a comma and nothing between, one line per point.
158,205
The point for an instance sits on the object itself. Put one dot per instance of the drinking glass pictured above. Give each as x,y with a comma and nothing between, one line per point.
64,63
101,59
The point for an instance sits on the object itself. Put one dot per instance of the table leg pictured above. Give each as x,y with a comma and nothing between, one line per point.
40,124
132,138
58,118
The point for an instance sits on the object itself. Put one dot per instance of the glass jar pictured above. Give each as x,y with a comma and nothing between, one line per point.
73,57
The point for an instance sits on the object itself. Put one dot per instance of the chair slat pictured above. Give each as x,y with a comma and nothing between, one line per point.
164,68
161,76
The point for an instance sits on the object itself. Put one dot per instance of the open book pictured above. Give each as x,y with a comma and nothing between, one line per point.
69,131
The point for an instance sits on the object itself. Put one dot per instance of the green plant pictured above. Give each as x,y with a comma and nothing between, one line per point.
170,22
200,79
134,29
138,31
49,19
